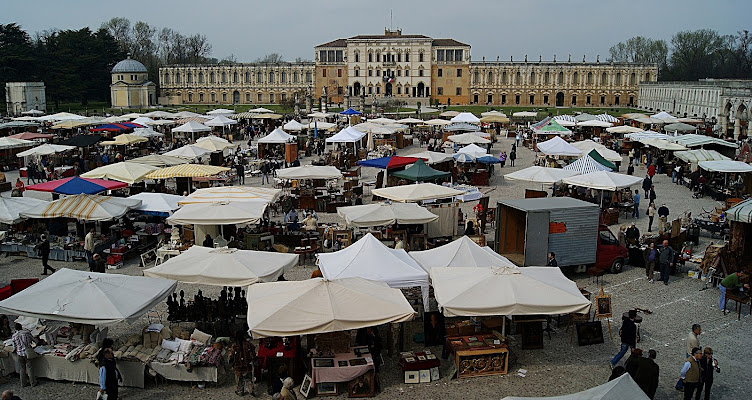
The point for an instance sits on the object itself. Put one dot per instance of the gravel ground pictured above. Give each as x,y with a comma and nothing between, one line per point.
560,368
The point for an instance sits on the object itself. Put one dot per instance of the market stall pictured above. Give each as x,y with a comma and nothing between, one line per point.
623,387
161,204
188,152
126,171
417,192
462,252
379,214
232,193
278,144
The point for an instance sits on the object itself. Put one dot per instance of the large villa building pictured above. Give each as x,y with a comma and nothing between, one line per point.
409,69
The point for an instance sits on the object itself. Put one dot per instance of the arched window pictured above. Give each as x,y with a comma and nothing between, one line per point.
590,78
190,78
618,79
224,77
378,56
518,78
407,58
370,57
283,77
258,77
504,77
561,78
357,56
211,77
532,79
420,56
604,78
546,78
271,77
632,78
476,77
490,77
234,77
200,77
177,77
575,78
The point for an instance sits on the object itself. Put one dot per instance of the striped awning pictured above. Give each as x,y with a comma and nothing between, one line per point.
232,193
186,171
84,207
200,120
742,212
586,165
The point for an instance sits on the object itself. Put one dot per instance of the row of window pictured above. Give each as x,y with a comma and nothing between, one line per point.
560,78
449,55
236,97
388,72
133,77
388,57
546,99
283,77
440,72
331,56
440,91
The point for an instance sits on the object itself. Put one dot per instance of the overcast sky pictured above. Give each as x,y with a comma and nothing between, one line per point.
250,29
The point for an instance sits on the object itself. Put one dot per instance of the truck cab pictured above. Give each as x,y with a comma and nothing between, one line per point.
610,255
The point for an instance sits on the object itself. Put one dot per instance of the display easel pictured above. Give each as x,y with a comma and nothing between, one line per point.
603,309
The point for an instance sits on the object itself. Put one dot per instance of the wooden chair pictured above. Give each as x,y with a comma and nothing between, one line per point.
148,256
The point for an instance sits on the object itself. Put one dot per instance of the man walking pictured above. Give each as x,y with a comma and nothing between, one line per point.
636,202
89,248
628,337
512,157
241,173
666,261
22,341
647,374
646,184
651,256
692,340
242,357
44,252
691,372
264,173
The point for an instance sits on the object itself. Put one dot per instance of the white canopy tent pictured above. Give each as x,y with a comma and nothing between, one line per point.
473,150
468,138
188,151
260,110
693,157
219,213
145,121
61,116
661,144
557,146
621,388
13,143
432,157
277,136
232,193
462,253
215,143
467,117
11,207
369,258
146,132
638,136
309,172
347,135
159,160
380,214
410,121
383,121
585,165
319,306
45,150
220,111
623,129
695,140
603,180
665,117
159,114
125,171
191,127
506,291
437,122
220,120
224,266
726,166
588,145
542,175
89,297
162,203
417,192
595,123
293,126
525,114
320,125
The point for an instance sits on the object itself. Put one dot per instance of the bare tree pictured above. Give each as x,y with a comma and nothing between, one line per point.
120,29
229,60
641,50
271,58
198,48
142,41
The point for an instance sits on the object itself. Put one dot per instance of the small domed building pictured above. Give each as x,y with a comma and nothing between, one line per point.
131,87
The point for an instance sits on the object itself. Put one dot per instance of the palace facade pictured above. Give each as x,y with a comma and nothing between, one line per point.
410,69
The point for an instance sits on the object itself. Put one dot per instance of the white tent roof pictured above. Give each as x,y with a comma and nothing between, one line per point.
232,193
557,146
585,165
214,143
410,121
695,140
61,116
220,213
294,125
623,129
320,115
468,138
463,252
382,120
159,114
665,117
89,297
146,121
157,202
438,122
220,120
45,150
607,117
188,151
621,388
224,266
523,114
416,192
185,114
377,129
191,127
10,207
465,117
146,132
725,166
12,143
596,123
261,110
473,150
370,259
277,136
319,306
309,172
697,155
347,135
646,135
220,111
125,171
662,144
432,157
320,125
493,113
85,207
603,180
565,122
379,214
449,113
543,175
587,145
159,160
506,291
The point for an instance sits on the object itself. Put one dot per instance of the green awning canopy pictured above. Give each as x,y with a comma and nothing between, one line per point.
598,157
742,212
421,172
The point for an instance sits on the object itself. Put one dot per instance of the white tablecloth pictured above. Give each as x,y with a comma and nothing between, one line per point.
60,369
180,373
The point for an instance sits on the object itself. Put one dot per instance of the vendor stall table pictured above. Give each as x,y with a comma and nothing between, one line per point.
60,369
272,353
740,299
478,355
344,367
180,372
420,361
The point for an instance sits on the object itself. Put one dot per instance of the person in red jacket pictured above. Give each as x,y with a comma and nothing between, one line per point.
651,171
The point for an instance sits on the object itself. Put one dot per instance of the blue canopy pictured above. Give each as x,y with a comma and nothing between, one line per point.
388,162
350,111
488,160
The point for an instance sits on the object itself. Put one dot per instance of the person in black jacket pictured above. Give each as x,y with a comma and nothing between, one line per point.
44,252
647,374
646,184
709,365
628,335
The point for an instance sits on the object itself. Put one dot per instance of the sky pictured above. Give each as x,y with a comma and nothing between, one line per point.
249,29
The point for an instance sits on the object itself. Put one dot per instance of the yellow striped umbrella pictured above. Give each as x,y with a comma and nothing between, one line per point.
186,171
84,207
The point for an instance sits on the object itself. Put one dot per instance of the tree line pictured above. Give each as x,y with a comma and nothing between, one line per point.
691,55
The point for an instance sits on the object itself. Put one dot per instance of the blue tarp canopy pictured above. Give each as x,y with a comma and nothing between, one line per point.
350,111
488,160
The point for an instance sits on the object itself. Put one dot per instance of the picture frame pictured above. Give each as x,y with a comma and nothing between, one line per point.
362,386
327,389
358,361
589,333
361,351
603,305
305,386
410,359
323,362
435,374
342,363
418,242
425,376
412,377
430,356
421,358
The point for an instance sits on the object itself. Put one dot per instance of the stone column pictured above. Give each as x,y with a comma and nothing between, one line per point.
723,122
362,107
737,128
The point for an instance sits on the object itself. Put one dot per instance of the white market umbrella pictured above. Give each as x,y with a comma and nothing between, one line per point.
159,114
383,121
506,291
277,136
347,135
33,112
232,193
220,120
146,132
410,121
464,158
185,114
603,180
188,151
463,253
468,138
309,172
89,297
380,214
726,166
542,175
191,127
159,160
214,143
260,110
61,116
623,129
293,126
473,150
437,122
417,192
220,111
467,117
143,121
12,143
320,306
161,203
557,146
11,207
83,207
220,213
45,150
432,157
125,171
450,114
320,125
665,117
661,144
224,266
595,123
